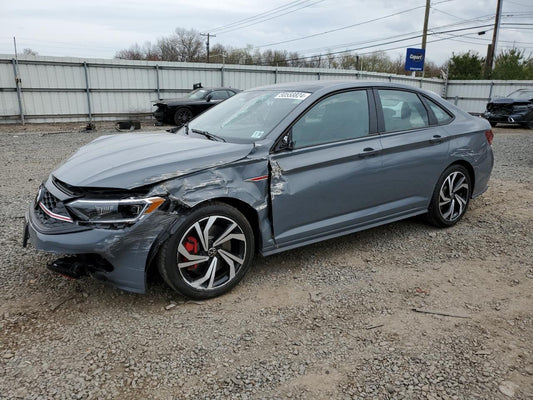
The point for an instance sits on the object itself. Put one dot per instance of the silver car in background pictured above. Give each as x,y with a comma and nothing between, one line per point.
268,170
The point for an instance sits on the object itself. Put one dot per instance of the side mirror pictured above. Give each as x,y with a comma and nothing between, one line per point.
286,142
209,97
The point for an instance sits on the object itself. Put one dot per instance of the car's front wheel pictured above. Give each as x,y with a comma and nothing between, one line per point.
450,197
209,254
182,116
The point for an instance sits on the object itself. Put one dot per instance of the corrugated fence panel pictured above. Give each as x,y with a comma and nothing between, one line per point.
55,88
9,104
248,79
54,103
122,102
474,95
7,76
51,76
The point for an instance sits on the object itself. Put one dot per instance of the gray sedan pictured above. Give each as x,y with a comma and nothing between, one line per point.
268,170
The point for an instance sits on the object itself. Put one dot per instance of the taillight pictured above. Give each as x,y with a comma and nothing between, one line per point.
489,135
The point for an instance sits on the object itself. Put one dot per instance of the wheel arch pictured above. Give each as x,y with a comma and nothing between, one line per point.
245,209
470,170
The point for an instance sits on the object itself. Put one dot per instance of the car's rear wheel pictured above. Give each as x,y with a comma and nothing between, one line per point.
450,197
209,254
182,116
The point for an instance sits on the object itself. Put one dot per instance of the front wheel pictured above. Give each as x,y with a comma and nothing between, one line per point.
182,116
451,197
209,254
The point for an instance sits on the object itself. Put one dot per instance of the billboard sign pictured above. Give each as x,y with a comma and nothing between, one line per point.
414,59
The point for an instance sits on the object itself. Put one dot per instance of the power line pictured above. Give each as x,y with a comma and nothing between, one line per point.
346,27
248,19
266,16
389,42
329,48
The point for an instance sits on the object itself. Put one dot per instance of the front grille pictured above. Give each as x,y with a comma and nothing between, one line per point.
501,109
54,205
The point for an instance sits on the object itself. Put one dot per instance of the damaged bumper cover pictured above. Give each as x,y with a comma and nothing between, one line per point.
126,252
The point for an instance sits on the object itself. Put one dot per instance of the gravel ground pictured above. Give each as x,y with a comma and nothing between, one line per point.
334,320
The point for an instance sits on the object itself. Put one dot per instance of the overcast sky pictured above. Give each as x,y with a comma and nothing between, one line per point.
100,28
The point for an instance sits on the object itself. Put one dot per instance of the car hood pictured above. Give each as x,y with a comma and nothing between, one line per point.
178,101
128,161
508,100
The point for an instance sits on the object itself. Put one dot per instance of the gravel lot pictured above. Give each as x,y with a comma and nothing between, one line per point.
335,320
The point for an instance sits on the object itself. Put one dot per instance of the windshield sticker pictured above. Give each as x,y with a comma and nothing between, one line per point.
293,95
257,134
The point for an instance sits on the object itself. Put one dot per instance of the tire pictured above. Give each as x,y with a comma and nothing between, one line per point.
182,116
195,265
493,123
451,197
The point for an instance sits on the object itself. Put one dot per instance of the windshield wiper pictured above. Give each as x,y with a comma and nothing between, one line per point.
208,135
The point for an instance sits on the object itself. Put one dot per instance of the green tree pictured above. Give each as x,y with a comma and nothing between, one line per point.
467,65
512,64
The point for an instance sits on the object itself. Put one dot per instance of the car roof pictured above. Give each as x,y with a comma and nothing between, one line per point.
314,86
217,88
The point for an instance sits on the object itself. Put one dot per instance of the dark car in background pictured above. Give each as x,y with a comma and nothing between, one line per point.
268,170
516,108
182,110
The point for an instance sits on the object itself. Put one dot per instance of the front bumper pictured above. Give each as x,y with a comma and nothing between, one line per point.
127,250
509,118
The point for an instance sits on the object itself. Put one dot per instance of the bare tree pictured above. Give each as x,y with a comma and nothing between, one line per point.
29,52
133,53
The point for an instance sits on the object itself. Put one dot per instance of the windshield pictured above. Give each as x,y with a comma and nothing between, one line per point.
522,94
197,94
248,116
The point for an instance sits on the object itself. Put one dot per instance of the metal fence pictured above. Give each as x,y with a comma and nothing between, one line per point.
54,89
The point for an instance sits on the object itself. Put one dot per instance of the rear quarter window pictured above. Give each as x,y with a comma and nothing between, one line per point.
441,114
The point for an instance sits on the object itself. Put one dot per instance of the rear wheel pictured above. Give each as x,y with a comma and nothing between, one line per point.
210,252
182,116
450,197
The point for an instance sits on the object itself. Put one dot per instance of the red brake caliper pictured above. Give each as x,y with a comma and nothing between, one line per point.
191,245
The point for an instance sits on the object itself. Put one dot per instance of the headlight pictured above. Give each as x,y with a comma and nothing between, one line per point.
114,211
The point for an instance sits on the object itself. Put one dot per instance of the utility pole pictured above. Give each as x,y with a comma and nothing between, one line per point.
207,43
425,30
491,50
426,21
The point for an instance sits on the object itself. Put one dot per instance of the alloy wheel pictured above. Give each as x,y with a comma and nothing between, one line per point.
211,252
453,196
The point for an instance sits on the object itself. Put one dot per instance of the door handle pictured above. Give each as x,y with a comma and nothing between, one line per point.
436,139
368,152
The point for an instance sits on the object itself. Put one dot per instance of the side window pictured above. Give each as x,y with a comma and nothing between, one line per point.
339,117
402,110
441,115
219,95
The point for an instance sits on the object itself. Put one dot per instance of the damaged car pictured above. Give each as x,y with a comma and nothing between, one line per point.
268,170
516,108
182,110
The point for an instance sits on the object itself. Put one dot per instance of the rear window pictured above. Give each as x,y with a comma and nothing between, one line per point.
402,110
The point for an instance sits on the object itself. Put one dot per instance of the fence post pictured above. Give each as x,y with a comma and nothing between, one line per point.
157,80
276,75
222,75
318,74
490,90
85,68
19,93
